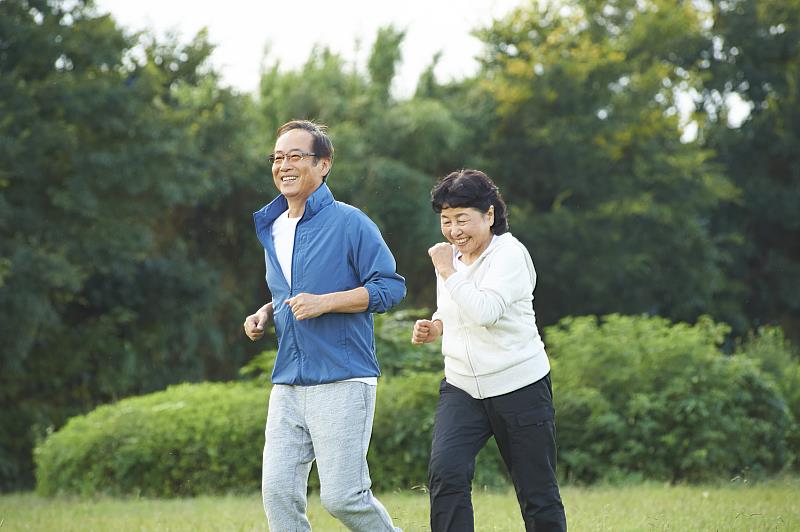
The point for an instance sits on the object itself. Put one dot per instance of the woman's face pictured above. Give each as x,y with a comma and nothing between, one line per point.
468,229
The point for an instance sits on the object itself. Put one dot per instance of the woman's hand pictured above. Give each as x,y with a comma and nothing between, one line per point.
442,257
426,331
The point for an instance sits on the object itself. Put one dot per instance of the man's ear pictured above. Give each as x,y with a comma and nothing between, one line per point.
326,166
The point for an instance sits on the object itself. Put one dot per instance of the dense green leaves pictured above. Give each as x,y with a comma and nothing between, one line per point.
187,440
207,438
639,397
613,206
636,398
128,175
756,57
122,165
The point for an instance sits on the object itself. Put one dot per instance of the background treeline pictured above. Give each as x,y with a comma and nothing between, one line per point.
128,174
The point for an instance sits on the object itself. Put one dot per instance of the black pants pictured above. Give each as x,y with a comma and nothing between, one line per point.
522,423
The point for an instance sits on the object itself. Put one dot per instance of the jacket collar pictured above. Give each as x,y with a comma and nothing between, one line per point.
319,199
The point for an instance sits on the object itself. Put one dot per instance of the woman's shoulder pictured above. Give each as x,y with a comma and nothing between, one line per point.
509,251
508,244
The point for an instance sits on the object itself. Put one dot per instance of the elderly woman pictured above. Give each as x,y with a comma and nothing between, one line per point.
497,375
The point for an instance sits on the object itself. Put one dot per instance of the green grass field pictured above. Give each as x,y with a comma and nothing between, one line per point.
773,505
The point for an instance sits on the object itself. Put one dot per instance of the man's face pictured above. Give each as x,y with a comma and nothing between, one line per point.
297,180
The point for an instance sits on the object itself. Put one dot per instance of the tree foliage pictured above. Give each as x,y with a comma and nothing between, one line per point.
639,397
129,172
755,55
586,144
122,165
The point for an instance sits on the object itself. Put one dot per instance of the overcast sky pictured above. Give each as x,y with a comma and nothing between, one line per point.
242,29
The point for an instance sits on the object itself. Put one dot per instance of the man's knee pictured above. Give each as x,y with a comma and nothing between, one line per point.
338,502
270,490
272,474
275,485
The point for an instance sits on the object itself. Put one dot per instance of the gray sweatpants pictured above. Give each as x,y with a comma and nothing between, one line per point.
332,423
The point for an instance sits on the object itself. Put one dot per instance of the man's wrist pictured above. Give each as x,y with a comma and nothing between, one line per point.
327,303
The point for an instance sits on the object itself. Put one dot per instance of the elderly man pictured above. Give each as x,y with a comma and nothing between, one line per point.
328,270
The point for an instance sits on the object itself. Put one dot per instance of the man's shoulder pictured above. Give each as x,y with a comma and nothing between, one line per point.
346,208
351,213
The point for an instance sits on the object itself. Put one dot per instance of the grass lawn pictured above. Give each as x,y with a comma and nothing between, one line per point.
773,505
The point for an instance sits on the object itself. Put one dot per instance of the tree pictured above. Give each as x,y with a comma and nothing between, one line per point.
755,56
586,146
113,150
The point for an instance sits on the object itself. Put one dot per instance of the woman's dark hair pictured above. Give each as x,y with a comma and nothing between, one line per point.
471,188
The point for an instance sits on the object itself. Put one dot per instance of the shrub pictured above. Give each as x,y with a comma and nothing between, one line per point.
187,440
644,398
781,361
207,438
635,397
401,439
393,344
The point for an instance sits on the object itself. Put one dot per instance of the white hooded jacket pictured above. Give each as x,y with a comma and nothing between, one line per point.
490,342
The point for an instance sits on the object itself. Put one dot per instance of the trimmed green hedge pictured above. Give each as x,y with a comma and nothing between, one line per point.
207,438
635,397
187,440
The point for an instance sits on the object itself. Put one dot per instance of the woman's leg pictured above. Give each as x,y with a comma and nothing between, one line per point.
460,430
524,428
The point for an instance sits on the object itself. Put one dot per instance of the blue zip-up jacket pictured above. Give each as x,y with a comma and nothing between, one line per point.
336,248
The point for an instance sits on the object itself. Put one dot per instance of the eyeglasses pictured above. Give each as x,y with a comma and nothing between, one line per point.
294,156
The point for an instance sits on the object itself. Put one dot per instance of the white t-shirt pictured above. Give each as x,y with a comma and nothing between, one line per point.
283,230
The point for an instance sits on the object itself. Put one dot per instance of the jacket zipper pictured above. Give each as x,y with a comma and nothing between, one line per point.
467,349
291,294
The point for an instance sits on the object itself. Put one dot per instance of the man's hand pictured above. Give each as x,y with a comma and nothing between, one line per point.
442,257
306,306
254,324
426,331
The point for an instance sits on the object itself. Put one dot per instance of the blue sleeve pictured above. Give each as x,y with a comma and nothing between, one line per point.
376,267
